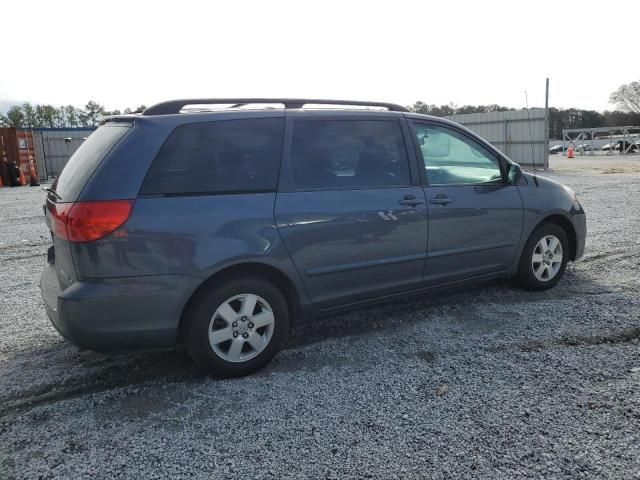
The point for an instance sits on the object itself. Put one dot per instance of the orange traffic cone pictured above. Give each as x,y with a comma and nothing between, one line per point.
23,181
570,152
33,176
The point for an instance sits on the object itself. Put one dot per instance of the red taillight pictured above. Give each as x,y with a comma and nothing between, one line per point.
59,214
89,221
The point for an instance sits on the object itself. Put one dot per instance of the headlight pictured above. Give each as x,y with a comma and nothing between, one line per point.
576,204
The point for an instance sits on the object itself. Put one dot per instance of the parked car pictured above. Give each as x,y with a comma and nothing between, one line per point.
618,145
628,147
221,229
584,147
556,149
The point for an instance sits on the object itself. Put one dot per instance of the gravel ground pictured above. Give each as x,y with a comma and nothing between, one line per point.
490,382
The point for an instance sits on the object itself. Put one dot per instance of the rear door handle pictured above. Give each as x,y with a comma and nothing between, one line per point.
440,200
410,201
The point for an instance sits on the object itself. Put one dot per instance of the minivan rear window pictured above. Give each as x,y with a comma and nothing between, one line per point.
86,159
226,156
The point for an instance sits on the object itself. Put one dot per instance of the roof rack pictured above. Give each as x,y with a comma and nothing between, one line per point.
175,106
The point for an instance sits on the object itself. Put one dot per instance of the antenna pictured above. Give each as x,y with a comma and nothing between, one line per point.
533,157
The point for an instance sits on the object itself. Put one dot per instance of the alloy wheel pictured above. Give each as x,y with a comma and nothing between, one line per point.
241,328
547,258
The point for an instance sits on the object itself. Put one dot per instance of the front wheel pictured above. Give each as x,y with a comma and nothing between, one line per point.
544,258
237,328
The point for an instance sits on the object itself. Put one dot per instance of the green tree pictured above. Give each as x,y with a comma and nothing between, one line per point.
420,107
71,116
556,123
93,112
59,118
138,109
14,117
30,116
467,109
592,119
443,110
620,118
453,109
627,97
47,116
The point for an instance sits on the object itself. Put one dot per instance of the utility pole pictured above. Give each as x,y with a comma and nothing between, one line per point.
546,125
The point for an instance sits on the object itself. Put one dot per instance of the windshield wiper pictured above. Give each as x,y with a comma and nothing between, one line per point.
52,192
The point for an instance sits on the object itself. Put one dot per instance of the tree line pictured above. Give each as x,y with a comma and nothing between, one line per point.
626,98
29,116
559,118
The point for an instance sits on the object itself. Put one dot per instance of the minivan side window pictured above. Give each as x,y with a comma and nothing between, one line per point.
451,158
228,156
345,154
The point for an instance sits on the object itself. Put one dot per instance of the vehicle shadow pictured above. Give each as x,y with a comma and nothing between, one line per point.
400,313
62,371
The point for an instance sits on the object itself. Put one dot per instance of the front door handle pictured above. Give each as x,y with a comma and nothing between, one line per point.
440,200
411,201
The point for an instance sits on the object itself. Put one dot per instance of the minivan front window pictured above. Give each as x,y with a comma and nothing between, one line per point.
450,158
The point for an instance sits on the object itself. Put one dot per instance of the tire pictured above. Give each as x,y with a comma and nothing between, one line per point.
544,274
221,333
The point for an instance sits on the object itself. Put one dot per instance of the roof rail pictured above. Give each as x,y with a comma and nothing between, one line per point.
175,106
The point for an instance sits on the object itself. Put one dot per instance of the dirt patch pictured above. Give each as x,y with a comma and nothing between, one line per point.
168,365
621,337
625,336
428,357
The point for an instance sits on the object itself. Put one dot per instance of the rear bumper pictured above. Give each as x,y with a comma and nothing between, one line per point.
117,313
580,225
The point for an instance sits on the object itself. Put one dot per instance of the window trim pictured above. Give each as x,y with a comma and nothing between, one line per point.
208,193
482,145
287,178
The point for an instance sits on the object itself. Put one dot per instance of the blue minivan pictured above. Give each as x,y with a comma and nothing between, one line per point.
217,223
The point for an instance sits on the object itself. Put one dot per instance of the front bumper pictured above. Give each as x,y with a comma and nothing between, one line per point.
117,313
580,225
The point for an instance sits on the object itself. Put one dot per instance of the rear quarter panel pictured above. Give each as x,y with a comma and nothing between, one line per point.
193,235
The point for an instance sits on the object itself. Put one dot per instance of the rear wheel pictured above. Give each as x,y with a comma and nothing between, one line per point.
544,257
237,328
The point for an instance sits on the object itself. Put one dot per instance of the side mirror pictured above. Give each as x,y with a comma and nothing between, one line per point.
514,173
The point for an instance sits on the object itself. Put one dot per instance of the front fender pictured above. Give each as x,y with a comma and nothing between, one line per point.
543,200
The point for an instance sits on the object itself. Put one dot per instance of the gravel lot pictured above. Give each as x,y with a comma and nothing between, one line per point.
491,382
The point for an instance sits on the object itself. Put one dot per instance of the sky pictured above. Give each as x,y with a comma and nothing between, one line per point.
126,53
